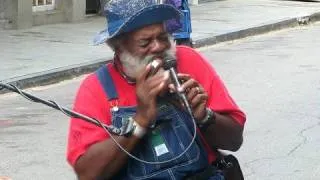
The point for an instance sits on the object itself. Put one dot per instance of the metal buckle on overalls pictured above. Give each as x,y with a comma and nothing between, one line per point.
126,129
114,105
225,164
127,126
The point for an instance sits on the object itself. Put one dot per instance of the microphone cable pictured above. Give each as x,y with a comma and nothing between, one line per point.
110,130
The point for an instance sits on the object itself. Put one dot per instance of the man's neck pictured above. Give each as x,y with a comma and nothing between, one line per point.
118,66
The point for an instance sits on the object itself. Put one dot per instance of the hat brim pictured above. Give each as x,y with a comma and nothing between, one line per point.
151,15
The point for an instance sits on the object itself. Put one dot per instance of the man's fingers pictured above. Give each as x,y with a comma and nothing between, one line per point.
153,92
188,85
184,77
199,99
156,80
153,86
193,92
172,88
150,70
143,73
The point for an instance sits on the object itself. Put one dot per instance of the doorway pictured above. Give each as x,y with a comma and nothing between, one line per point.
92,6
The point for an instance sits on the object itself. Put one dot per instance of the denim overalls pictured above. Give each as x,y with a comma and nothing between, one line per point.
172,132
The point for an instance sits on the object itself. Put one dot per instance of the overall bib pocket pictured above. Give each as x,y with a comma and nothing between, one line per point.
168,138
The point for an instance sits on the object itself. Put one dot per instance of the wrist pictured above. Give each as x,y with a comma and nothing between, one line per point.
141,120
138,130
209,119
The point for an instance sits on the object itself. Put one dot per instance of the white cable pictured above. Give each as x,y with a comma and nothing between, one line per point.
157,162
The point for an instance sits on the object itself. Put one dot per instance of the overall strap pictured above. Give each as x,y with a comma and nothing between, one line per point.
107,83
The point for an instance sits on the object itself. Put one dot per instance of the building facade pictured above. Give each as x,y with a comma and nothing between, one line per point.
19,14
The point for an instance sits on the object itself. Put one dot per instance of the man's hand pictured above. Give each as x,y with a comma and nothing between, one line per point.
195,93
225,133
147,90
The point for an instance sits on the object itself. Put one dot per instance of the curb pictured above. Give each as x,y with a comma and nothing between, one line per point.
53,76
246,33
315,17
68,72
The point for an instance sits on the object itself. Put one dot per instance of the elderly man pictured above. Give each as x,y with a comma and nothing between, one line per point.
159,139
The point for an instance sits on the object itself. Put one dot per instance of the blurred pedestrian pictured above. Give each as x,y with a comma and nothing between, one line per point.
180,27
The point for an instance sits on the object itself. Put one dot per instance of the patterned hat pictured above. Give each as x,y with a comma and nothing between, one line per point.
128,15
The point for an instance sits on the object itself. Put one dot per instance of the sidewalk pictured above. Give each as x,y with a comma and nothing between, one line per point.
46,54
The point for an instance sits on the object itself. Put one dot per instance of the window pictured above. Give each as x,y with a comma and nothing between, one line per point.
42,5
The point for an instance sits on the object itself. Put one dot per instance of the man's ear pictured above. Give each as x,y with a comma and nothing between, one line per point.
117,51
120,45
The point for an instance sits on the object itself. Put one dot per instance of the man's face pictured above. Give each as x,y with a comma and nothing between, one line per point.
142,46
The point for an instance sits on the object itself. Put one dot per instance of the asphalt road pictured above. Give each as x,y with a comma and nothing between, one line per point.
275,78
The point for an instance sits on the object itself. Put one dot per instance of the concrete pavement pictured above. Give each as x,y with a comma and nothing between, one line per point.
47,54
274,78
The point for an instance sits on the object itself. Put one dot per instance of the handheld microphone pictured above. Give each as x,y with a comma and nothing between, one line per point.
154,68
170,64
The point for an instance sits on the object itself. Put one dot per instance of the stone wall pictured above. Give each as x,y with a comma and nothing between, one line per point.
6,14
17,14
2,3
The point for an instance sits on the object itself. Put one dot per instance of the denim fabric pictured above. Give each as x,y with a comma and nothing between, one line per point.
176,129
217,176
126,16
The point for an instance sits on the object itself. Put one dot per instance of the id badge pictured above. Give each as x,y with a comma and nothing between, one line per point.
158,143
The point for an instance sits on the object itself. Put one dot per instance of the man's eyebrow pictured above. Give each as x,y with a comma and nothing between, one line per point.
163,34
144,38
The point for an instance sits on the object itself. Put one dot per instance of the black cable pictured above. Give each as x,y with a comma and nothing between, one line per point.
55,105
109,129
1,87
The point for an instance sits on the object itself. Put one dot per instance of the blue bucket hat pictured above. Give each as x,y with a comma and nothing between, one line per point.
128,15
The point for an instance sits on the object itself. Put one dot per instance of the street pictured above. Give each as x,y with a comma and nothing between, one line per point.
274,78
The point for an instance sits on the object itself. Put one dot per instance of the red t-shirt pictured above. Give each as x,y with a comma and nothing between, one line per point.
91,100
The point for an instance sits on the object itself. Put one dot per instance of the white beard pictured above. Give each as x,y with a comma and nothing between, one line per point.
133,64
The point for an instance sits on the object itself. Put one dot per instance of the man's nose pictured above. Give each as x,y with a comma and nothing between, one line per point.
158,47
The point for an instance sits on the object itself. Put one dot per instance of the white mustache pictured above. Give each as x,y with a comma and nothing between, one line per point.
133,64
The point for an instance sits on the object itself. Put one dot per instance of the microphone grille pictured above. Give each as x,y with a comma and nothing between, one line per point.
169,62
